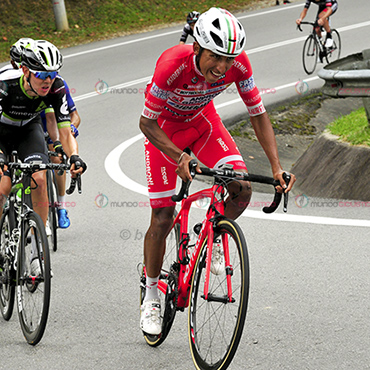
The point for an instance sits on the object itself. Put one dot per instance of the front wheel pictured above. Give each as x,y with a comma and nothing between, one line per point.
310,54
216,323
33,279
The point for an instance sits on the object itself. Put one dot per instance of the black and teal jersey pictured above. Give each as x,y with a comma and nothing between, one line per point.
17,108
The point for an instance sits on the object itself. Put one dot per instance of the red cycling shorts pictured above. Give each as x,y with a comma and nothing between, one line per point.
207,138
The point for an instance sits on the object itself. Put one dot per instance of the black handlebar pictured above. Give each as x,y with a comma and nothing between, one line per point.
233,175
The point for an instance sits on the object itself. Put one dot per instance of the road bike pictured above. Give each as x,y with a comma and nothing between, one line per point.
211,276
314,49
25,272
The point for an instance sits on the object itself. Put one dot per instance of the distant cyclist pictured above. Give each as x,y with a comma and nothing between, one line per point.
326,9
189,26
15,54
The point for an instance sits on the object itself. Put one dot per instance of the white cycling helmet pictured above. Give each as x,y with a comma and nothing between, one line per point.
219,31
42,56
17,48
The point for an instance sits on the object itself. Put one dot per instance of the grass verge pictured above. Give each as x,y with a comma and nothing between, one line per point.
353,128
93,20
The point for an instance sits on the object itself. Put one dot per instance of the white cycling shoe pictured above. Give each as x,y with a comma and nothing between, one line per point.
150,320
218,259
329,43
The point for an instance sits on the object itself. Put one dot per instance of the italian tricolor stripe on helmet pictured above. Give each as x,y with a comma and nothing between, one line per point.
232,33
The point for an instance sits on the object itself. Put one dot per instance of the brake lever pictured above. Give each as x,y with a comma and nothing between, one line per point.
287,177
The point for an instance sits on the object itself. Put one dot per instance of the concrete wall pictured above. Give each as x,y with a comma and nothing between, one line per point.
332,169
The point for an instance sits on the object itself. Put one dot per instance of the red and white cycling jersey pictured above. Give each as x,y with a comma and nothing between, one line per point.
179,92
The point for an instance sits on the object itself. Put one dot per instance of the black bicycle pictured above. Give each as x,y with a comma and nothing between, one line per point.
24,253
314,49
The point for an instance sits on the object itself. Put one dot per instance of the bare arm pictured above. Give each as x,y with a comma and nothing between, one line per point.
302,16
161,141
51,126
75,118
266,137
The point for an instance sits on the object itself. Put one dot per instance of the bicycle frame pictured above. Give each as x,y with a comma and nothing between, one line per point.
215,211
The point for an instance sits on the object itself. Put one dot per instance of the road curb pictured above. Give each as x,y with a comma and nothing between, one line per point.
330,168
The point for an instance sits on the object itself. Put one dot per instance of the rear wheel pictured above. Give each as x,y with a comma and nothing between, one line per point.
333,53
216,323
33,279
310,54
7,272
52,216
168,277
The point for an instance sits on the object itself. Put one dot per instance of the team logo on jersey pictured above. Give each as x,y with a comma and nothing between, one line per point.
247,85
194,80
218,82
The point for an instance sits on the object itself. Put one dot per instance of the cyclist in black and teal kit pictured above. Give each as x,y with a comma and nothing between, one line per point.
189,26
67,134
326,9
24,94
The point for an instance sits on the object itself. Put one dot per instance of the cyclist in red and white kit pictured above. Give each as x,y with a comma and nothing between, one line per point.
179,113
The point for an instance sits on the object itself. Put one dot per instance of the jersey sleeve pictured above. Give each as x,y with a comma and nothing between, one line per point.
57,98
246,86
185,33
159,88
71,103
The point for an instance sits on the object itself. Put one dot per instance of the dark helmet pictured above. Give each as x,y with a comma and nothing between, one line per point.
192,17
42,56
17,48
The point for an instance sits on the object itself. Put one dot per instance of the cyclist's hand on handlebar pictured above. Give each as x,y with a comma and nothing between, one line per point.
78,166
298,21
183,170
284,188
59,149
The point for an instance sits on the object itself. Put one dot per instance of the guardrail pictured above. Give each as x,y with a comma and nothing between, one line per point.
349,77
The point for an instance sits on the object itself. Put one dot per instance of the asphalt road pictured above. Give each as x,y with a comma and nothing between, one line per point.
309,299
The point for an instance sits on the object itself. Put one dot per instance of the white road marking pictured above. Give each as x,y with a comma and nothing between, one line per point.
114,171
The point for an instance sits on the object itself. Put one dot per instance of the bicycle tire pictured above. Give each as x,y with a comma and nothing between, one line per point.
7,290
33,291
168,299
310,54
214,333
53,213
334,52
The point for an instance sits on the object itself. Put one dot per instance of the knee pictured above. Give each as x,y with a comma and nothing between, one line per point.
241,194
161,222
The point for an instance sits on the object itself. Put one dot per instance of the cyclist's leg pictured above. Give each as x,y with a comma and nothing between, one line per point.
161,179
7,134
31,147
216,147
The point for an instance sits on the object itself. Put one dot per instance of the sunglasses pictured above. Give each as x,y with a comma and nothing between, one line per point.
45,75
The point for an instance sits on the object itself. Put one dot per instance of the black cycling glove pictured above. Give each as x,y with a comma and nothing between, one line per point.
78,162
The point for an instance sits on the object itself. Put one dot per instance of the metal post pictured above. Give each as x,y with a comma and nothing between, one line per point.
366,100
60,14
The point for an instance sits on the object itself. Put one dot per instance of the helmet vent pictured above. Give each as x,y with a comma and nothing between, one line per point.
217,40
216,23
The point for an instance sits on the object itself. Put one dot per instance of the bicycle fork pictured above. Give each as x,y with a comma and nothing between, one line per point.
228,267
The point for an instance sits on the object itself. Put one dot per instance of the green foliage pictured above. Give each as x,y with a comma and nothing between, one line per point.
92,20
353,128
